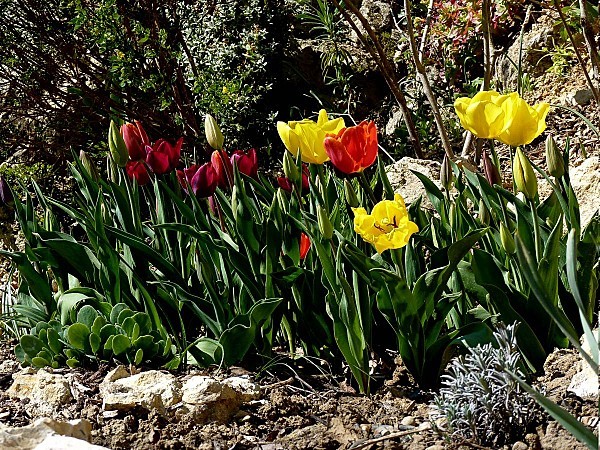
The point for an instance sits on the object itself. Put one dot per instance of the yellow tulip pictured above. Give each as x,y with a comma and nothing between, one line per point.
307,136
483,114
508,118
387,227
523,122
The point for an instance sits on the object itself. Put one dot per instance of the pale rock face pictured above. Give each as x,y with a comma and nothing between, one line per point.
56,442
46,391
151,390
407,184
33,436
584,383
247,389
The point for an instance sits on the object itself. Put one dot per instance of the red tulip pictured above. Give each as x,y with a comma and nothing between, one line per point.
222,165
247,162
138,171
354,148
304,245
163,157
285,183
6,196
135,139
203,179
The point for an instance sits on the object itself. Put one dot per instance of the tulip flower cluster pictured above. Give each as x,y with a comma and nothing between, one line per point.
508,118
218,172
160,158
351,150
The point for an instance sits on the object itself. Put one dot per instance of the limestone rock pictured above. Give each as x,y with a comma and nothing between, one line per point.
246,388
31,436
211,400
406,183
56,442
580,97
584,383
151,390
45,391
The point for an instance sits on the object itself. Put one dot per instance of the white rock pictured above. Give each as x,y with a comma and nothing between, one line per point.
247,388
584,383
406,183
210,400
46,391
151,390
9,366
408,421
56,442
30,436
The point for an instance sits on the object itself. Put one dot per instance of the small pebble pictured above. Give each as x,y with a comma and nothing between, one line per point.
520,446
408,420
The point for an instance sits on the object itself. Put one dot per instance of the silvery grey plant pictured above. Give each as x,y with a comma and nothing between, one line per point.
480,401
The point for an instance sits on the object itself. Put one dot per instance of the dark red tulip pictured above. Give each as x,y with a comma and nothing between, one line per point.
490,170
6,196
202,179
135,139
137,170
304,245
222,165
247,162
285,183
353,149
163,157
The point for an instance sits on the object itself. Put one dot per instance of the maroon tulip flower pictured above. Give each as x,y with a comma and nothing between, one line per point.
490,170
203,179
222,165
138,171
285,183
6,196
163,157
247,162
135,139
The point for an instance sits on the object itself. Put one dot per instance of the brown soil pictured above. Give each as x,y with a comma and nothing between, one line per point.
301,412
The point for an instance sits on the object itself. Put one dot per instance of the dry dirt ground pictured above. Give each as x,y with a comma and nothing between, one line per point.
302,411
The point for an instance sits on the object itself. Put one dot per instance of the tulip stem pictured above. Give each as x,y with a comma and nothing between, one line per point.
536,230
321,175
364,183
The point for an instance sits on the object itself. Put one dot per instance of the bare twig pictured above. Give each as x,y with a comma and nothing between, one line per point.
380,58
366,443
422,75
578,54
590,42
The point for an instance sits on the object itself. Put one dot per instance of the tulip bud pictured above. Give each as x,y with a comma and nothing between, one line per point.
350,194
554,158
523,175
290,169
446,174
116,145
6,196
490,171
89,165
325,226
508,243
213,133
484,214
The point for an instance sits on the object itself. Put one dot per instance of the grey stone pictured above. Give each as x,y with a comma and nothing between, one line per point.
405,183
580,97
151,390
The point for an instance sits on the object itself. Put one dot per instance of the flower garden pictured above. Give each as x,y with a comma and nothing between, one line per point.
167,258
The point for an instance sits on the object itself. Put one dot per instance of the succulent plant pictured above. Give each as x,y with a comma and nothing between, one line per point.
480,401
124,335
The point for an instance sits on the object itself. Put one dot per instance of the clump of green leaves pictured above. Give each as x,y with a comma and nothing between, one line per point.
480,401
110,332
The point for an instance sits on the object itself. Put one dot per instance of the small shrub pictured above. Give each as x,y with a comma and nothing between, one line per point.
480,401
